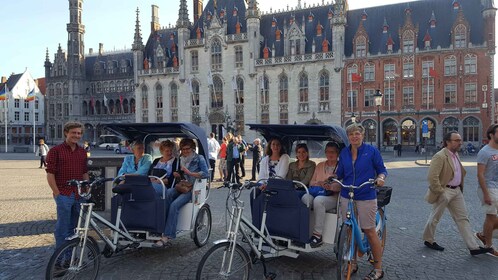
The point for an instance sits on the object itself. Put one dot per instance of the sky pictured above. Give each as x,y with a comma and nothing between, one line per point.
30,27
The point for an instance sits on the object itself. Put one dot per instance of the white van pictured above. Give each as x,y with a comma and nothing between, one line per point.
109,142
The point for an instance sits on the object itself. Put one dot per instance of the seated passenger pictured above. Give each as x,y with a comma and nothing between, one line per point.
164,167
324,200
302,169
138,163
193,166
275,163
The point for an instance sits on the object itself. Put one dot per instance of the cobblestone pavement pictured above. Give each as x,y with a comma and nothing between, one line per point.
27,213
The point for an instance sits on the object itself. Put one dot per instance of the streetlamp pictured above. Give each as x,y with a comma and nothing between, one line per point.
353,118
378,102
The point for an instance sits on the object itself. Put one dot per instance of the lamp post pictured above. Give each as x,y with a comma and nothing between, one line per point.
353,118
378,102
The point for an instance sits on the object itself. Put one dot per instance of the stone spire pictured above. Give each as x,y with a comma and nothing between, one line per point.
183,20
137,41
252,9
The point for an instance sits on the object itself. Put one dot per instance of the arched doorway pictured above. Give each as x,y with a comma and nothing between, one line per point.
370,131
408,134
431,125
450,124
471,130
390,128
217,121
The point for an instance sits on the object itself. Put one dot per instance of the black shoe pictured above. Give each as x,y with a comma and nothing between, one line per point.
434,246
481,250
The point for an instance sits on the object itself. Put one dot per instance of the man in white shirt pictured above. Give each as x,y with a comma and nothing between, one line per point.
213,149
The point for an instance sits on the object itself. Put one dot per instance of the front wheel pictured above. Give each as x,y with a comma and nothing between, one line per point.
202,226
74,261
216,264
345,254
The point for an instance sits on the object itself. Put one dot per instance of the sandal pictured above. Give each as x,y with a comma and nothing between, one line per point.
315,241
161,244
374,275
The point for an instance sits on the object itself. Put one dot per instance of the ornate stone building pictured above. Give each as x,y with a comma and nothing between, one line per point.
94,89
433,62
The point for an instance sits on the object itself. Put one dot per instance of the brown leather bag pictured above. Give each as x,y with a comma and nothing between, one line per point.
183,186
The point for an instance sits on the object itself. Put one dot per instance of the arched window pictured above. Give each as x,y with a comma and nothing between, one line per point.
119,86
361,46
126,108
283,89
408,41
66,88
450,124
110,107
370,131
390,129
217,93
174,102
303,93
460,36
85,108
408,133
265,99
239,93
195,93
470,64
450,66
145,104
471,130
159,103
324,103
97,108
216,61
117,106
132,106
112,87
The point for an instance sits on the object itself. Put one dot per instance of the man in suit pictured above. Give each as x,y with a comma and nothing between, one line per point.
446,176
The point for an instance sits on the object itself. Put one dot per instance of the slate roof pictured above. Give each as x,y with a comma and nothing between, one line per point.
165,39
114,57
320,16
11,81
421,12
228,6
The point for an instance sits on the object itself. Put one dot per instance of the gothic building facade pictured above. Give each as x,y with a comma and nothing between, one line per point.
94,88
235,65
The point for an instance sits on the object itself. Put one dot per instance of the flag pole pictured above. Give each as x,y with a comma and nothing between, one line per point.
428,83
5,115
351,89
34,124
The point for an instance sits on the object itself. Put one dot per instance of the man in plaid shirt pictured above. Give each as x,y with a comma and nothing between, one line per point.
65,162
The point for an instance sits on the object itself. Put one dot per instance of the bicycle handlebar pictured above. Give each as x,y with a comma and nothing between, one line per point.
370,181
85,186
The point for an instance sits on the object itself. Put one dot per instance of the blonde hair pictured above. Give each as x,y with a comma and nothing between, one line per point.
355,127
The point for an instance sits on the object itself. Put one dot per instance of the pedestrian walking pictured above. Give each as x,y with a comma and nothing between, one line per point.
243,156
400,147
487,170
213,149
446,178
257,154
67,161
234,151
222,166
42,151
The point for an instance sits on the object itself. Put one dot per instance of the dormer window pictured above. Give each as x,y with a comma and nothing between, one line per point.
460,36
278,33
325,46
361,46
319,29
408,42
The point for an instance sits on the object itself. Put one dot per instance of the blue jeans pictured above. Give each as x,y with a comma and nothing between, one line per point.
174,201
68,209
158,187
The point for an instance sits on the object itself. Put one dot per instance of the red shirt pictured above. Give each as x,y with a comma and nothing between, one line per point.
66,165
223,150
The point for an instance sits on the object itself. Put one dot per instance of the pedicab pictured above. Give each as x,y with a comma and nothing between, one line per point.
143,212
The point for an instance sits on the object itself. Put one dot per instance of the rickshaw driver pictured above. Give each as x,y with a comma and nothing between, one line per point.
357,164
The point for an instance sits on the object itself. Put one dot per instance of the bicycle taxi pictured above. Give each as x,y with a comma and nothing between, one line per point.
143,213
280,224
138,213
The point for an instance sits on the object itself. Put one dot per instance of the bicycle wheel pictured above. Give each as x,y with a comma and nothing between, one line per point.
344,257
65,261
202,226
214,264
382,229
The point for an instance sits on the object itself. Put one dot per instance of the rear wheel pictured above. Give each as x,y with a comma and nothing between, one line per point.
202,226
345,254
215,263
65,261
381,230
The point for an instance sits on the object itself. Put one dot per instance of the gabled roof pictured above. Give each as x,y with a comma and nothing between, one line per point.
228,6
12,81
421,12
162,37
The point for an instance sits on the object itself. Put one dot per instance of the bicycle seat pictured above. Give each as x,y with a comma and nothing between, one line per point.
122,189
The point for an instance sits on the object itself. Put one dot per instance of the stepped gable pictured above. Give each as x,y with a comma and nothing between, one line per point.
421,12
115,57
319,15
225,7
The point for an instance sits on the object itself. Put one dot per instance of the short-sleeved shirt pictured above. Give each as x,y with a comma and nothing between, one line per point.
66,165
489,157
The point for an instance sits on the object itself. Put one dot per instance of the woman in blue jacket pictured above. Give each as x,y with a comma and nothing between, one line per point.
138,163
358,163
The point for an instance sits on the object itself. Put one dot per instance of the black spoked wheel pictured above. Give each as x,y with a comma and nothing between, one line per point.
215,264
202,226
74,261
344,254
